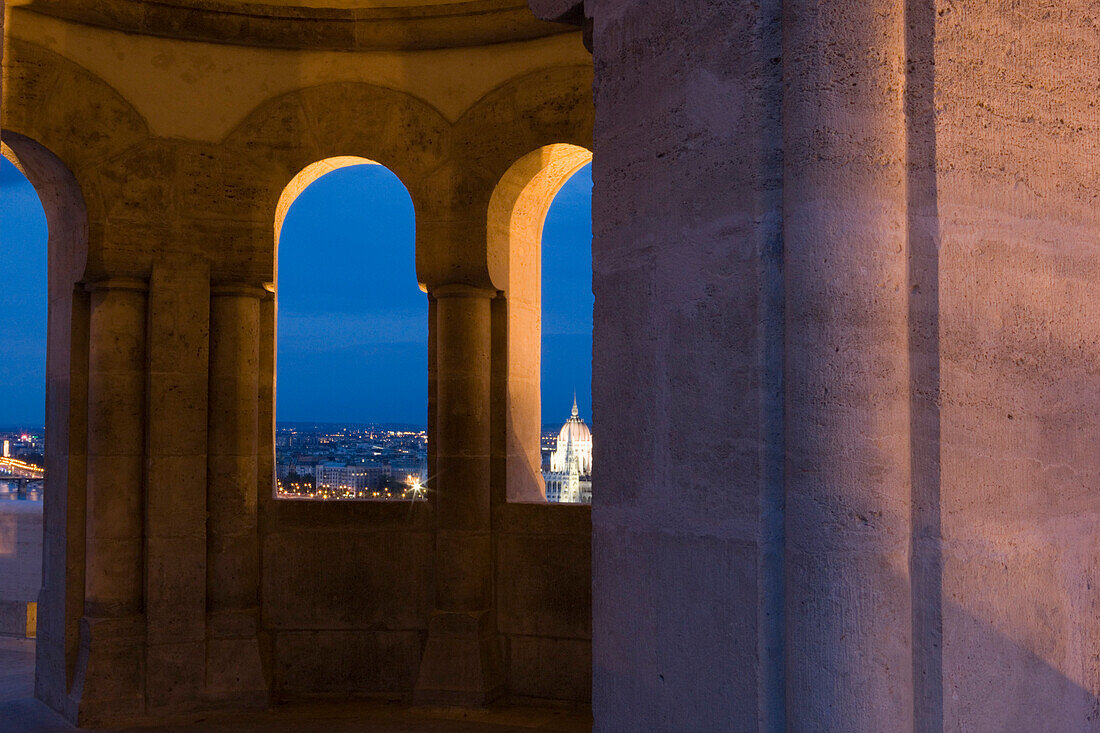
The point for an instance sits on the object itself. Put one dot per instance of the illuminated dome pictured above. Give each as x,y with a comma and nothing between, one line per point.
569,479
574,444
574,431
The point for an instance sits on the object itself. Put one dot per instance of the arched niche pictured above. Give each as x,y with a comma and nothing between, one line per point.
61,600
517,212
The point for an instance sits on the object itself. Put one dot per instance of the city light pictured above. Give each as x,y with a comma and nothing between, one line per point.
348,463
22,471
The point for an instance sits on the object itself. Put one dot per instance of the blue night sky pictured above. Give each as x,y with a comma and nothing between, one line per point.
352,321
567,301
22,302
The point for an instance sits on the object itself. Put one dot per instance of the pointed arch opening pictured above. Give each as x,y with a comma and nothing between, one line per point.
351,337
522,212
23,299
53,611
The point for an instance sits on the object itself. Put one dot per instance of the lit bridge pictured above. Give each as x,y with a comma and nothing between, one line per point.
11,468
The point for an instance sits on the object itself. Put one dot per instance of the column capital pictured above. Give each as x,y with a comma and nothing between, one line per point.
558,11
571,12
239,289
460,290
134,284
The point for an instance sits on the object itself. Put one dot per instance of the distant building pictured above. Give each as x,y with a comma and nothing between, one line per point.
415,466
569,480
305,466
341,477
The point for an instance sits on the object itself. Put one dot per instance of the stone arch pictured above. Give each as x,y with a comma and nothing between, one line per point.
517,212
288,134
77,115
546,107
62,200
61,599
303,180
87,126
292,131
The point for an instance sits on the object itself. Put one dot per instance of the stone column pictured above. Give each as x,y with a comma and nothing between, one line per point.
175,494
265,449
461,662
848,605
233,669
108,682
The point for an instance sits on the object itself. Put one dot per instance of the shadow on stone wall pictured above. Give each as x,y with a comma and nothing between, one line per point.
923,234
995,682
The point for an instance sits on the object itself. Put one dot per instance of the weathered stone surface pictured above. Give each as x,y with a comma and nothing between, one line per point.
687,367
550,669
544,584
462,662
344,662
20,550
848,252
347,580
170,674
543,565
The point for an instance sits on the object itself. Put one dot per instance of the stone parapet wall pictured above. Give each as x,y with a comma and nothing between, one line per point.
348,589
544,600
346,596
20,566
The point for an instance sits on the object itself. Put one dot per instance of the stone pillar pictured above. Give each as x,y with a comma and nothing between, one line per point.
848,605
687,604
175,494
265,449
108,682
461,663
233,669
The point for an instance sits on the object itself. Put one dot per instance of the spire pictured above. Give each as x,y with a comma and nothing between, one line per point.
575,411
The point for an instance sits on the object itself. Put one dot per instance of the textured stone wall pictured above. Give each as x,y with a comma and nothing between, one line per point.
844,356
687,600
347,593
20,565
1015,209
544,600
848,604
349,588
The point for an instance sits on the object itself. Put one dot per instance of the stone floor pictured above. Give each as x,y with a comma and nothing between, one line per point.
21,713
